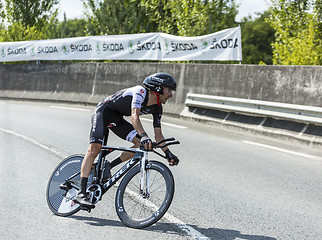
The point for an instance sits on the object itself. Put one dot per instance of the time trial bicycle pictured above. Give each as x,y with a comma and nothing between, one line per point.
142,198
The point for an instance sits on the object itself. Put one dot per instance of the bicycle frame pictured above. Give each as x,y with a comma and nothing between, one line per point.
140,154
104,187
121,172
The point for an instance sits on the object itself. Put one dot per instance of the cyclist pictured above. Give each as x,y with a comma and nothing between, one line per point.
134,101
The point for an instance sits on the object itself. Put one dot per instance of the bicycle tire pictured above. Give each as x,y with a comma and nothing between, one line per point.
60,201
145,211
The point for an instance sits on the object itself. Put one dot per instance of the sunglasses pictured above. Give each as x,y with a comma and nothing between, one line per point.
172,91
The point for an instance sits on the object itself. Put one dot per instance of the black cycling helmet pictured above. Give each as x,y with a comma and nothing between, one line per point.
156,81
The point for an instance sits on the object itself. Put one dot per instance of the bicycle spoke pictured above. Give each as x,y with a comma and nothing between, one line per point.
139,210
154,181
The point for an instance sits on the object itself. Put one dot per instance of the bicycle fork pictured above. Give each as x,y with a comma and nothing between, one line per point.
145,177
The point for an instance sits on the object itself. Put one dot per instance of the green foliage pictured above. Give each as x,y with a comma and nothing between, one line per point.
158,15
180,17
2,13
70,28
199,17
296,31
257,38
114,17
30,13
28,20
18,32
318,13
318,28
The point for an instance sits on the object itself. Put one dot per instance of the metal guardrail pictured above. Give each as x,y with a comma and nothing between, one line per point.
292,112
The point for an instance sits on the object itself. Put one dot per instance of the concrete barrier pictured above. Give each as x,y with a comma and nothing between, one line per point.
89,83
86,83
285,84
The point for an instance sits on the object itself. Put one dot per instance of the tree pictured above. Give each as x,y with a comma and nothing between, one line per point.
180,17
296,32
257,39
318,30
31,13
1,16
18,32
199,17
70,28
28,20
159,16
114,17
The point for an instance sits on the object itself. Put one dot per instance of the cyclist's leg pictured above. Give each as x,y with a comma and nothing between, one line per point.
98,130
101,118
93,150
126,131
128,155
97,133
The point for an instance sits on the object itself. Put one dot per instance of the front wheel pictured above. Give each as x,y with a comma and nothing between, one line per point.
138,210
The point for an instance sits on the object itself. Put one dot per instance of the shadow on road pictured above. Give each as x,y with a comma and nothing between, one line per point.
170,228
100,222
228,234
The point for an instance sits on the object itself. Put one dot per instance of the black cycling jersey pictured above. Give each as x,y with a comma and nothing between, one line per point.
120,104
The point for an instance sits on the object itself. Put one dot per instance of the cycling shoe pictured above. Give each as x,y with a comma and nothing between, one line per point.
82,200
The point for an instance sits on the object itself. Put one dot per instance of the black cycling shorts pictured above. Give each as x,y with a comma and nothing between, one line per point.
102,117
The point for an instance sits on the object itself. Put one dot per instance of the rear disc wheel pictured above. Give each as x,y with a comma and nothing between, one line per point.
60,201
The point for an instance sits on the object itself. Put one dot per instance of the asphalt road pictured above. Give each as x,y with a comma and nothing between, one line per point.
229,185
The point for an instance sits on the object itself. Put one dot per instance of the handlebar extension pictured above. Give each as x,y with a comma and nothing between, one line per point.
170,141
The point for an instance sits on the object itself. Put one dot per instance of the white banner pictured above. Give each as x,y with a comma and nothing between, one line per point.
223,45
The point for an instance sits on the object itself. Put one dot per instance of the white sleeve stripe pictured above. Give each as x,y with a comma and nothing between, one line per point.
139,94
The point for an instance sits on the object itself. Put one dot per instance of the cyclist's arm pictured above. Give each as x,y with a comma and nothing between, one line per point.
157,115
159,136
135,120
139,95
172,159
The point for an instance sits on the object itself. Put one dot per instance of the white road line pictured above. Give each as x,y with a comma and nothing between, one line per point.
180,224
282,150
165,123
33,141
71,108
185,228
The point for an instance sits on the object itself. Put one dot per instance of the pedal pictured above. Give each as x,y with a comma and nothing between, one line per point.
65,186
87,209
